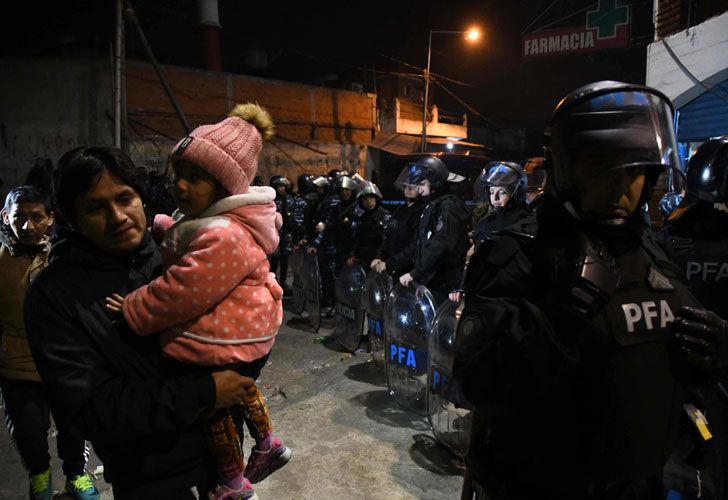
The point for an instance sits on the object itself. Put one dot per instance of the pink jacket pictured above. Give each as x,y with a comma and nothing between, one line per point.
217,301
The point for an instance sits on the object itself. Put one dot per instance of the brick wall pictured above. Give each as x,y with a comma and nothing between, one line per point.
318,128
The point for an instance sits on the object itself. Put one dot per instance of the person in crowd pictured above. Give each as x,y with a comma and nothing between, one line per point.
24,248
574,345
306,200
399,233
441,243
695,237
286,206
501,187
324,242
369,227
227,317
344,217
140,410
504,183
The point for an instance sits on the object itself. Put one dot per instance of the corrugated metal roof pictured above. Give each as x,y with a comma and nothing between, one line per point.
705,116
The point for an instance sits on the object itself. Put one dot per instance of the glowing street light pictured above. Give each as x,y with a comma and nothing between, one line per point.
471,35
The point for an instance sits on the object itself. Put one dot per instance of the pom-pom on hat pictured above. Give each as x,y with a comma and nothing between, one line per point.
229,150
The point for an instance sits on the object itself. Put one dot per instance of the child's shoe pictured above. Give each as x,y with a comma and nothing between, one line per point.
81,488
41,487
263,463
222,492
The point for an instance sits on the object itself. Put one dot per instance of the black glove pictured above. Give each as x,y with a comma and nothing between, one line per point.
700,340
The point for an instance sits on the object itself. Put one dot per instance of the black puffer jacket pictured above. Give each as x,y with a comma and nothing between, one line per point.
137,408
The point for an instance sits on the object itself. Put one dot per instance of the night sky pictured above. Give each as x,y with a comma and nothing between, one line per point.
335,44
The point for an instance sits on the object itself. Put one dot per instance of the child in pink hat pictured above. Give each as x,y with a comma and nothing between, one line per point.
217,303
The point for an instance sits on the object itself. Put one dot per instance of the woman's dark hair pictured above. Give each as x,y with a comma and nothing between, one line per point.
40,176
26,194
78,168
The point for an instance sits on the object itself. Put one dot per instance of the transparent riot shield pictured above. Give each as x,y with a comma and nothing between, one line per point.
376,290
407,323
313,290
449,413
349,311
298,257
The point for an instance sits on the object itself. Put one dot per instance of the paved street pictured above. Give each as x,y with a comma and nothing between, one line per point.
349,438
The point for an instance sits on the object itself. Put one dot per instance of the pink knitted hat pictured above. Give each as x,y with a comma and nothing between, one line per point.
229,150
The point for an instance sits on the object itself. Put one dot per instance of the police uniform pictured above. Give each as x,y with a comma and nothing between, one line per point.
441,244
575,344
695,237
399,232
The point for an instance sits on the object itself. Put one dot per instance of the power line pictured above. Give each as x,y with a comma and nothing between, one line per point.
467,106
421,72
539,16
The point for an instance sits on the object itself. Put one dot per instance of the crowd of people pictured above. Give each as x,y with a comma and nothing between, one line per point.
593,350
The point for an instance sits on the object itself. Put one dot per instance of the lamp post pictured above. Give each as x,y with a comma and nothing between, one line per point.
470,35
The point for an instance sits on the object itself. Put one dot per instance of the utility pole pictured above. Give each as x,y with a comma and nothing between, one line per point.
117,71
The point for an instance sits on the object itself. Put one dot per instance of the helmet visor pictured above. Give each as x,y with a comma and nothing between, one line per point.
613,131
411,175
496,174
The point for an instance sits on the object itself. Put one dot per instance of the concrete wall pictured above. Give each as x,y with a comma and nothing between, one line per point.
48,106
702,49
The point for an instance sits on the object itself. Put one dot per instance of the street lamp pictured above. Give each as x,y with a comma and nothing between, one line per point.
471,35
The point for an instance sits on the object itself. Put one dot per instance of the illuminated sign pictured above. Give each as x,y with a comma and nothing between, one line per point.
606,27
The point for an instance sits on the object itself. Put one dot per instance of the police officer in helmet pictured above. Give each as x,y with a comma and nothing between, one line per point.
441,243
695,236
575,344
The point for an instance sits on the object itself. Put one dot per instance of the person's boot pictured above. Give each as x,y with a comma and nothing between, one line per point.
81,488
41,487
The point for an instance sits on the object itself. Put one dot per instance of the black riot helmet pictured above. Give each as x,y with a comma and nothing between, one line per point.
613,125
504,174
279,180
305,184
428,167
334,175
707,174
257,181
368,188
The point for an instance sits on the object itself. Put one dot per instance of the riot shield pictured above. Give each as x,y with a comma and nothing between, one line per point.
407,323
349,311
449,413
313,290
298,257
376,290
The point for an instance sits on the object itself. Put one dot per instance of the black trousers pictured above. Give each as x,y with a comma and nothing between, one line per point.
28,419
281,261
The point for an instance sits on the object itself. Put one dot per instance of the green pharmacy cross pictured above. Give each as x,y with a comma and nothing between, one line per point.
607,17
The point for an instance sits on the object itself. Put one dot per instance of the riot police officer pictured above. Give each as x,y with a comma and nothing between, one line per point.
344,217
306,201
572,341
696,238
369,226
399,232
324,241
441,243
504,183
286,206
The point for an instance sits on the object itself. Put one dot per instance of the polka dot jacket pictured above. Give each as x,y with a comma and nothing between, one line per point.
217,301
